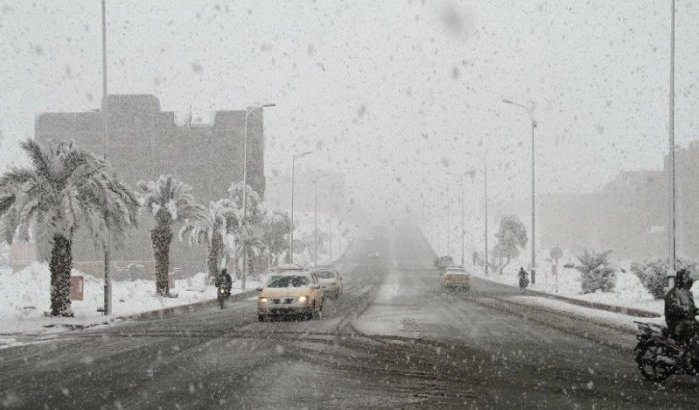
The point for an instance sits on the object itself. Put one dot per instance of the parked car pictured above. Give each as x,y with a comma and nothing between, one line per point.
456,278
291,295
331,282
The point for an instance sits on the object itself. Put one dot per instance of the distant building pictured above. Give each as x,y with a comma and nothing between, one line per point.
687,200
627,216
145,142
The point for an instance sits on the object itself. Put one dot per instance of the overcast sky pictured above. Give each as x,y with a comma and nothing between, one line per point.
390,93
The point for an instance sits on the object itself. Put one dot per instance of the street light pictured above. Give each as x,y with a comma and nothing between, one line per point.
291,227
107,309
530,111
672,249
315,229
248,111
484,159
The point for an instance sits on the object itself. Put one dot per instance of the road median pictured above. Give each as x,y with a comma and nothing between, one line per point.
624,310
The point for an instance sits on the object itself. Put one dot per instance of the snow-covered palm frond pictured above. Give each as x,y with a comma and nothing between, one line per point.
275,227
254,203
170,200
213,223
64,188
39,157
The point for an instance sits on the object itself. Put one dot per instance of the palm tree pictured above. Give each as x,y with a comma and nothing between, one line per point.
211,230
254,246
170,201
244,228
275,227
63,188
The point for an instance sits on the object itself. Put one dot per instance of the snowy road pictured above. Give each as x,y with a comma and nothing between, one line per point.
392,341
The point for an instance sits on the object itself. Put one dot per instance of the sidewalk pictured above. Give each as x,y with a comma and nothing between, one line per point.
629,296
24,297
620,318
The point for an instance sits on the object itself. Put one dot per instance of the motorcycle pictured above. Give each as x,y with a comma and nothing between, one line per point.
659,353
223,294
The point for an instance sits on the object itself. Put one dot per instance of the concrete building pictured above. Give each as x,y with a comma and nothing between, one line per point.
628,215
145,142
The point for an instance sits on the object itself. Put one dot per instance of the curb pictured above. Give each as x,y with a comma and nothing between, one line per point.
170,311
160,313
584,303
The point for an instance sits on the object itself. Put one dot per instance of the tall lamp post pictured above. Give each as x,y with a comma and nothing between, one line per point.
484,159
248,111
315,219
530,111
107,309
463,230
672,249
291,225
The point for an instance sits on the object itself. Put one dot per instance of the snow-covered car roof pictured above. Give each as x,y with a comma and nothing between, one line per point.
288,267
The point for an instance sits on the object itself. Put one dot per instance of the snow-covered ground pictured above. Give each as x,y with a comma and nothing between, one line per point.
618,319
24,297
629,292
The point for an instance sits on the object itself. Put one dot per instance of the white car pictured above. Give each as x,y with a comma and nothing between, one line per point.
291,295
331,282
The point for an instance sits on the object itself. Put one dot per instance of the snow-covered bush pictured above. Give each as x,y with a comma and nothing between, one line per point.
652,274
596,272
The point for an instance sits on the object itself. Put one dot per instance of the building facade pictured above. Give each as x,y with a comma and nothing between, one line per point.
145,142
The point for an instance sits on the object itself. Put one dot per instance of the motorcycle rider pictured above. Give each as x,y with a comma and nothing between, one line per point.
523,280
680,311
224,280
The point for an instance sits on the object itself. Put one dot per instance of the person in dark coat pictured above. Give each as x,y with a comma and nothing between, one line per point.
224,280
523,280
680,311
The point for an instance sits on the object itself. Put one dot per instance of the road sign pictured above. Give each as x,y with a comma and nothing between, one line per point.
556,253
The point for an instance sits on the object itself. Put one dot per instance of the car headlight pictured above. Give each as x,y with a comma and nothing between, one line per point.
303,299
263,300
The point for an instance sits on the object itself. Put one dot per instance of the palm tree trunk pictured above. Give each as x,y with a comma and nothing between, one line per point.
161,237
60,265
215,249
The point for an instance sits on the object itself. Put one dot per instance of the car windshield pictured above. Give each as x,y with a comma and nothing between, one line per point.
288,282
326,274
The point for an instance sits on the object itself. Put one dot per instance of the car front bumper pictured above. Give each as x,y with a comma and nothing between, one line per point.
285,309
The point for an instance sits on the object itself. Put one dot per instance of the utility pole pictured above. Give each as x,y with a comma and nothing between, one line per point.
291,225
330,232
672,247
530,111
315,229
484,159
463,230
107,309
248,111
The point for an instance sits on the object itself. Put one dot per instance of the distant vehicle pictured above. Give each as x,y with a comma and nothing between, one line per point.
331,282
291,295
373,254
456,278
444,261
